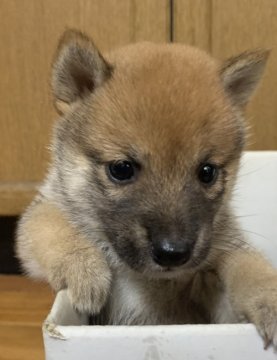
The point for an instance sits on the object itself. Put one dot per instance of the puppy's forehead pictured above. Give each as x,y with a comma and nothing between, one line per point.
161,99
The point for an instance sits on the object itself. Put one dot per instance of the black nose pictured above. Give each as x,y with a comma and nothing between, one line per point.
166,253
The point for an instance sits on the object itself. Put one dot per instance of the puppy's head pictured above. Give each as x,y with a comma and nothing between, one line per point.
148,145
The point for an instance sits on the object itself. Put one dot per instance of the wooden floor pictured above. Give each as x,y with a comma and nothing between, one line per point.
24,305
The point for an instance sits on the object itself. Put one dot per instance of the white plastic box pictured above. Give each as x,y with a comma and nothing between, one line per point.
67,336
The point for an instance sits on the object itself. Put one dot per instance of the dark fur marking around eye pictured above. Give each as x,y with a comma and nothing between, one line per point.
97,183
94,155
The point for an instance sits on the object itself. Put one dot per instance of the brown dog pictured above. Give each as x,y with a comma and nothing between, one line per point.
134,216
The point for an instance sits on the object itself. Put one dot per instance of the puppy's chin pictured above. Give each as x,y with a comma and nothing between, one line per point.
169,273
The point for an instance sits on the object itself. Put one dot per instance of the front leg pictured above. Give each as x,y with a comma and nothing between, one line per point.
251,285
50,249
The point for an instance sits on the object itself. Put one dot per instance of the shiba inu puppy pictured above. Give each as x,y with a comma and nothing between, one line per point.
134,217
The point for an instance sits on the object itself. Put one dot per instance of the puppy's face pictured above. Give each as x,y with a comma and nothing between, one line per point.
149,146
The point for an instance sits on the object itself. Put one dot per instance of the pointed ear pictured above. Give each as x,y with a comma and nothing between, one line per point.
241,74
78,68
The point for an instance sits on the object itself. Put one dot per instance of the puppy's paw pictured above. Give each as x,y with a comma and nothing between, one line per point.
88,282
87,277
262,311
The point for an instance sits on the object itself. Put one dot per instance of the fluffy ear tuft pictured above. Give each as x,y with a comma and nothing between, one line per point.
78,68
241,74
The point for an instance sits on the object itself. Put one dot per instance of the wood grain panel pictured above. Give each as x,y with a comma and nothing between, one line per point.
21,343
238,25
192,22
15,196
29,30
23,301
24,305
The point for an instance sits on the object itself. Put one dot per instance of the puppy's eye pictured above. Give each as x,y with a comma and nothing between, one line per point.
207,174
121,170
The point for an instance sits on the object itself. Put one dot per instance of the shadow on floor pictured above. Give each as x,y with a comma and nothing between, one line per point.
8,262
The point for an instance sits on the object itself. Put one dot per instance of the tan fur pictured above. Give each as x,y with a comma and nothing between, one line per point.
170,108
251,283
55,251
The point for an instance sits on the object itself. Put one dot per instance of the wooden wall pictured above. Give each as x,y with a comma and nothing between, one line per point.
29,30
228,27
